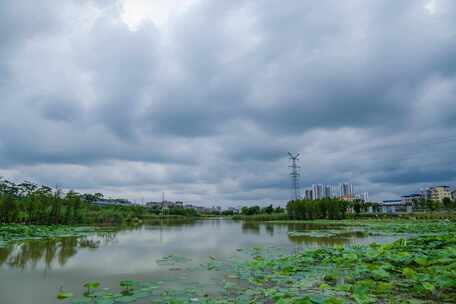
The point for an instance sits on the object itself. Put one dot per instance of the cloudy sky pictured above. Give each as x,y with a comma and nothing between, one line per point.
203,99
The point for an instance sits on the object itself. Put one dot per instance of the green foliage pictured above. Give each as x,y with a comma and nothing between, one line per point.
28,203
257,213
415,270
17,232
317,209
250,210
64,295
448,203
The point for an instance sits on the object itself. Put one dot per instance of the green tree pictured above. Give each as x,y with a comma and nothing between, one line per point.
433,204
447,203
269,209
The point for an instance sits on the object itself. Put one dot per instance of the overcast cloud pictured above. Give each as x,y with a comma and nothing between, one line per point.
203,99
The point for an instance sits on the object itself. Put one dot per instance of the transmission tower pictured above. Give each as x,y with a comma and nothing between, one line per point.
295,193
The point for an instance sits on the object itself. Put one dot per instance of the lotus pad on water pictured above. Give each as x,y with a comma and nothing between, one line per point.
420,269
17,232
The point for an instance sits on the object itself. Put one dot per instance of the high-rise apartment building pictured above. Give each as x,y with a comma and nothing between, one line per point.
342,191
317,190
327,193
308,194
346,190
335,191
438,193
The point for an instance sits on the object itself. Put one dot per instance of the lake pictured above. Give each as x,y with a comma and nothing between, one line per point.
33,271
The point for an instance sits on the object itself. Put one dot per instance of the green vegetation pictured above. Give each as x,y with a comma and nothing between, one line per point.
433,205
15,232
317,209
257,213
255,210
335,209
27,203
331,209
406,271
420,268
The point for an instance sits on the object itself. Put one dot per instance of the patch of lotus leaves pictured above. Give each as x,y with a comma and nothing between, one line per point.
18,232
416,270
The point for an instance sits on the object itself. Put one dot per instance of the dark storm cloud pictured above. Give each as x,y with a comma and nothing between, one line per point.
417,175
208,107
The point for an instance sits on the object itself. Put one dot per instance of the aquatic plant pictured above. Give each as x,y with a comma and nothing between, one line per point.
421,269
17,232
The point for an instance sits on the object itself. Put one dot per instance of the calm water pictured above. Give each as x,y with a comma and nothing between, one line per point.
33,271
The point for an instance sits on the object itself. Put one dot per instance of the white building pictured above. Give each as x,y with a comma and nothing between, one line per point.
308,194
438,193
410,199
346,190
317,190
394,206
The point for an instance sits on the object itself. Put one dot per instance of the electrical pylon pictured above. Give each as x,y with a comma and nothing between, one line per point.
295,188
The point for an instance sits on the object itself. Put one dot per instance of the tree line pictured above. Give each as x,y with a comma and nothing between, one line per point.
254,210
30,203
332,209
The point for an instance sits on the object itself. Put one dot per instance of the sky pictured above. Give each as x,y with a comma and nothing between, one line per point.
203,99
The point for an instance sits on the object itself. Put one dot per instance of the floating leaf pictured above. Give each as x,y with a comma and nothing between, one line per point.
64,295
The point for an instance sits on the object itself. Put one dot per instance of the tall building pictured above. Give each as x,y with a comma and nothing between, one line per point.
327,193
308,194
335,191
438,193
317,190
346,190
342,191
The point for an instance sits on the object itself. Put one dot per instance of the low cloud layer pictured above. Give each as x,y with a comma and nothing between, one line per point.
203,100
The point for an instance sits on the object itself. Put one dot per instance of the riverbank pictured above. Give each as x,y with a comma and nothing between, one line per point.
435,215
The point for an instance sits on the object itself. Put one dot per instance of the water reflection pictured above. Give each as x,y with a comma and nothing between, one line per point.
251,227
343,236
269,228
180,223
50,252
32,271
185,234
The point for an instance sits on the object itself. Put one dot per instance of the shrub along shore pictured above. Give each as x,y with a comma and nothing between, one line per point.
28,203
335,209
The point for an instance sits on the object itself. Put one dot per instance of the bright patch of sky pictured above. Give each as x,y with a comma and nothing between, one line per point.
431,7
160,12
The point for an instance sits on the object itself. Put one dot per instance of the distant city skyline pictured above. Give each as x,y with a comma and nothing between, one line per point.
342,190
